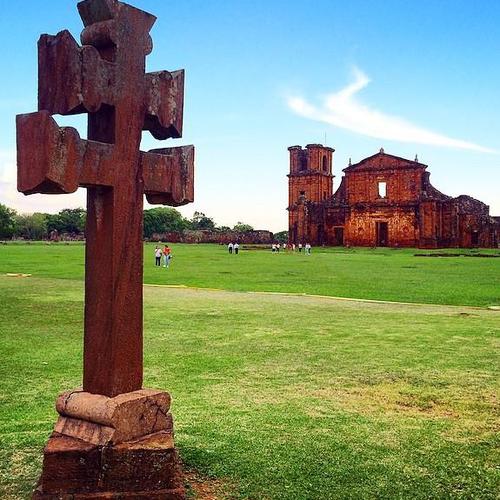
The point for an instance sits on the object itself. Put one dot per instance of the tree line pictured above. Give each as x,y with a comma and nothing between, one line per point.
39,226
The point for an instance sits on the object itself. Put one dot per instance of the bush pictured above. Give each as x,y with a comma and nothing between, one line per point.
7,222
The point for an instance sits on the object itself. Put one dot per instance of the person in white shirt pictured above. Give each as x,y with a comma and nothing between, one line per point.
273,248
300,247
293,247
236,247
158,254
308,249
230,248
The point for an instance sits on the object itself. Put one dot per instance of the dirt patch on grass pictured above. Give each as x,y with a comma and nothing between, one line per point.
407,400
202,488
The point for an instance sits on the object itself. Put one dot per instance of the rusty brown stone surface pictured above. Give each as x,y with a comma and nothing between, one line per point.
99,419
75,469
93,453
412,214
105,77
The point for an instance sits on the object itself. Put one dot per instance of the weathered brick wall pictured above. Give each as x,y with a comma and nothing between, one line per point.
416,213
402,185
316,187
310,180
259,237
361,226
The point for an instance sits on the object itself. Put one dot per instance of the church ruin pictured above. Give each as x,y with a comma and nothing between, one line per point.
383,200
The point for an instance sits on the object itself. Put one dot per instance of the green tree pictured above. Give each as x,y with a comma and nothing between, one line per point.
7,221
281,237
163,220
201,221
32,226
241,227
68,220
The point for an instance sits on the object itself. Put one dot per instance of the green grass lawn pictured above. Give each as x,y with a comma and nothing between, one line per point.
279,396
383,274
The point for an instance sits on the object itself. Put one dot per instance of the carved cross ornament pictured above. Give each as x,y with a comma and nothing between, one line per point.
105,77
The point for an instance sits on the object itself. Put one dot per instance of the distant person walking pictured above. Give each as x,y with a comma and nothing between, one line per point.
284,247
236,247
167,253
230,248
158,253
308,249
300,247
278,247
273,248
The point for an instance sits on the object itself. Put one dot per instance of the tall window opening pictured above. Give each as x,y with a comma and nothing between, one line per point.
303,163
325,163
382,189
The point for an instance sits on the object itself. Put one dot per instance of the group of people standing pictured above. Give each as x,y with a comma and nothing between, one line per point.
275,247
233,248
164,252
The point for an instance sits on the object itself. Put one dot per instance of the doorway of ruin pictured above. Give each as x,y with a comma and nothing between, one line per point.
382,231
474,238
338,236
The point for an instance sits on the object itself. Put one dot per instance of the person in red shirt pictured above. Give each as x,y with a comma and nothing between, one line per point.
167,254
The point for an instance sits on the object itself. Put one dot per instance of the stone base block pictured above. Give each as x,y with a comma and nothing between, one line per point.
136,495
146,468
84,459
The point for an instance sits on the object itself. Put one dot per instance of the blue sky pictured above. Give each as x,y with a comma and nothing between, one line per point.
412,77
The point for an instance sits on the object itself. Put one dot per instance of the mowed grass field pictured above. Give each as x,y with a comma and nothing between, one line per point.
380,274
280,396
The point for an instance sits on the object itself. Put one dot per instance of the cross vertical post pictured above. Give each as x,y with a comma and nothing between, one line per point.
104,425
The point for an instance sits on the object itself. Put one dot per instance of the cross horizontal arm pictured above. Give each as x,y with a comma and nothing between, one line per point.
164,100
169,175
54,160
72,79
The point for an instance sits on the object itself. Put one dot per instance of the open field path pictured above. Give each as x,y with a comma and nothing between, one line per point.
327,297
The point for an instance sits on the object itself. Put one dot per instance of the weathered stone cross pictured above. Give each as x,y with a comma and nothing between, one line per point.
106,78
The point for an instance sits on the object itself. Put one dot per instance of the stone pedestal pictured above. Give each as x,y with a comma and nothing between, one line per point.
120,447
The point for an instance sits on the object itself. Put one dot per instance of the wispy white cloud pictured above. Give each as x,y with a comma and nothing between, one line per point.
344,110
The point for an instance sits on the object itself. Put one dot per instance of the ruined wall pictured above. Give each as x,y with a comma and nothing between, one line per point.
221,237
310,183
402,186
430,222
315,186
361,226
411,213
368,206
301,224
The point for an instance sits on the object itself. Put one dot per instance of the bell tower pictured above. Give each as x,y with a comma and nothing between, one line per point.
310,181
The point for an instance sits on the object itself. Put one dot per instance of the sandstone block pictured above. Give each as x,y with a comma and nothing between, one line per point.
101,419
141,469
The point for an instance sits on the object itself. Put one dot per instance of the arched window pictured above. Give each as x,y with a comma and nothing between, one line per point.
325,164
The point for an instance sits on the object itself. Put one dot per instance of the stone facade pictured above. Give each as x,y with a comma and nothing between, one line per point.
383,200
